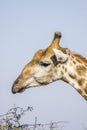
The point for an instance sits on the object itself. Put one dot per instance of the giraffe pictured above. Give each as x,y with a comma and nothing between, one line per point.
51,64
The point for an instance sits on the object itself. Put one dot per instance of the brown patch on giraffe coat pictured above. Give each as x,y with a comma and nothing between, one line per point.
81,70
79,90
73,76
81,81
85,96
65,69
62,67
74,62
85,89
72,57
80,58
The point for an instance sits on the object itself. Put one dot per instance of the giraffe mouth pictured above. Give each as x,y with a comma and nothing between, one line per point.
19,90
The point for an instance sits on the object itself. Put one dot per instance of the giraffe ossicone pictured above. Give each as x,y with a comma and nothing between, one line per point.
51,64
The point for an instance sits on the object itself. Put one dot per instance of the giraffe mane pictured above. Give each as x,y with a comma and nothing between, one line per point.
80,58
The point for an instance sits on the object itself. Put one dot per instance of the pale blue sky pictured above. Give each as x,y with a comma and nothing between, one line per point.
25,27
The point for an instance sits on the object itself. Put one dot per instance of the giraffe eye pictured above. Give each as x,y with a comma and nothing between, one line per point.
44,64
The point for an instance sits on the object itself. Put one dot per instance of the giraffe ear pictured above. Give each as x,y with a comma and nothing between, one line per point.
60,56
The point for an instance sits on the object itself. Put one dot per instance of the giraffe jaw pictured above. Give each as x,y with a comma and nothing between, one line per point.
32,82
22,87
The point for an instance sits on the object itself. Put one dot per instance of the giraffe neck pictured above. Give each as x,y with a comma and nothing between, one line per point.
75,72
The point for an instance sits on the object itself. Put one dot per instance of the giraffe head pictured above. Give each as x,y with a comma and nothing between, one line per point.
44,67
